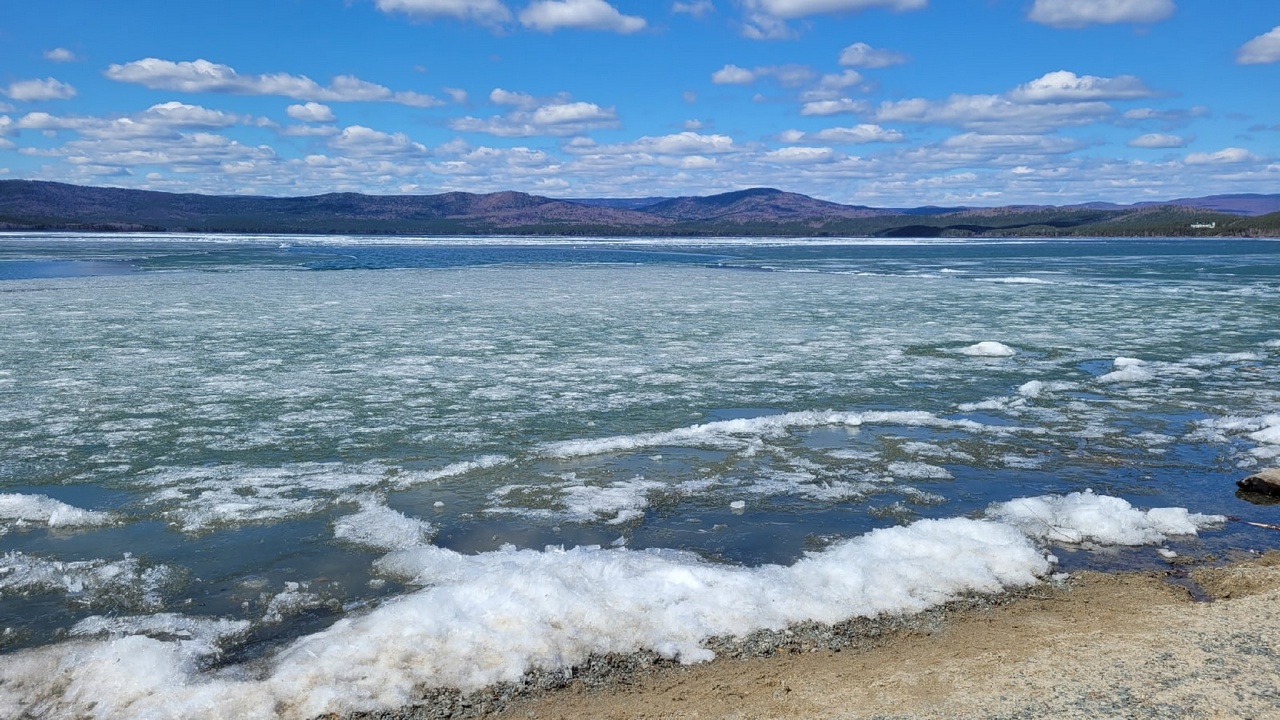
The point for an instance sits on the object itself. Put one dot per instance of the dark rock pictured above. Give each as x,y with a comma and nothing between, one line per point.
1266,482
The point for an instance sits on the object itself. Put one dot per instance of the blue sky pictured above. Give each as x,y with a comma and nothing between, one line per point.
877,102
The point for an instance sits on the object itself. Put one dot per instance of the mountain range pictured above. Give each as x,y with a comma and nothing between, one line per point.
37,205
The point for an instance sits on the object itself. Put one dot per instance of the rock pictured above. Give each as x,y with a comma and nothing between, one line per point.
1267,482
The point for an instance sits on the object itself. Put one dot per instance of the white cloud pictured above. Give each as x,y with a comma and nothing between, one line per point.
310,112
787,75
164,120
533,117
458,95
733,75
1226,156
35,90
824,108
309,130
992,113
1079,13
204,76
863,55
361,142
1006,144
800,155
485,12
1170,117
767,19
840,81
551,15
789,9
59,55
684,143
506,97
856,135
1261,50
1066,86
696,8
1157,141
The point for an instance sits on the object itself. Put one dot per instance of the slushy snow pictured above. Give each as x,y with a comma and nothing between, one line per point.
1085,517
989,348
44,510
492,617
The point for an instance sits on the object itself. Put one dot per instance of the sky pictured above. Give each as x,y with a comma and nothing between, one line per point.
887,103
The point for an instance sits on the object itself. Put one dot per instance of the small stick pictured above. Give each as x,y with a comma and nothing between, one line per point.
1255,524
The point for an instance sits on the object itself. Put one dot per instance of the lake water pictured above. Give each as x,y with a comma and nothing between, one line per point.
229,446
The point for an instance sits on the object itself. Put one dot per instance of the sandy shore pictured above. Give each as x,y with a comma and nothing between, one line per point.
1132,646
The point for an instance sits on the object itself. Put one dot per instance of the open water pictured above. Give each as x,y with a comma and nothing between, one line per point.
247,430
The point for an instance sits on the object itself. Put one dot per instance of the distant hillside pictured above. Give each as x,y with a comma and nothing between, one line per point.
765,212
758,205
1250,204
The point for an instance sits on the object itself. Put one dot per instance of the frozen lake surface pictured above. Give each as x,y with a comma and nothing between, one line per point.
250,464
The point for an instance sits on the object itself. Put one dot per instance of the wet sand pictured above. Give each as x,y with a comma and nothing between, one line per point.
1131,645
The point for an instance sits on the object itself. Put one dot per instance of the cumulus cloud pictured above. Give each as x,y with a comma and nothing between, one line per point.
310,112
856,135
1006,144
1157,141
36,90
800,155
59,55
787,75
863,55
204,76
767,19
733,75
696,8
164,120
485,12
1226,156
361,142
992,113
1066,86
683,143
531,117
823,108
506,97
1261,50
1079,13
551,15
790,9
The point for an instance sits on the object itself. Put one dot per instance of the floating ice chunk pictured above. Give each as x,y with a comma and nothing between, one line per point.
1270,434
452,470
294,599
1127,370
989,349
1031,389
738,504
729,434
198,636
381,528
626,500
115,583
1085,517
45,510
918,471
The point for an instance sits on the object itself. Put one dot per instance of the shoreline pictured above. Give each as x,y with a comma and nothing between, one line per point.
1137,645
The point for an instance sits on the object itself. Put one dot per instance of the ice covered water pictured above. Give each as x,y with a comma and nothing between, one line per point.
239,457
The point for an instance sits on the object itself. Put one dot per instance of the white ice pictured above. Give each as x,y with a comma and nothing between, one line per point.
494,616
1085,517
44,510
989,348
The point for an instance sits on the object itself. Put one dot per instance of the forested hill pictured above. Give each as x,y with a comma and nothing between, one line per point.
33,205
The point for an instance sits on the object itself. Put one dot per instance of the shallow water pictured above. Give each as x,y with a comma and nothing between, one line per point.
264,418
